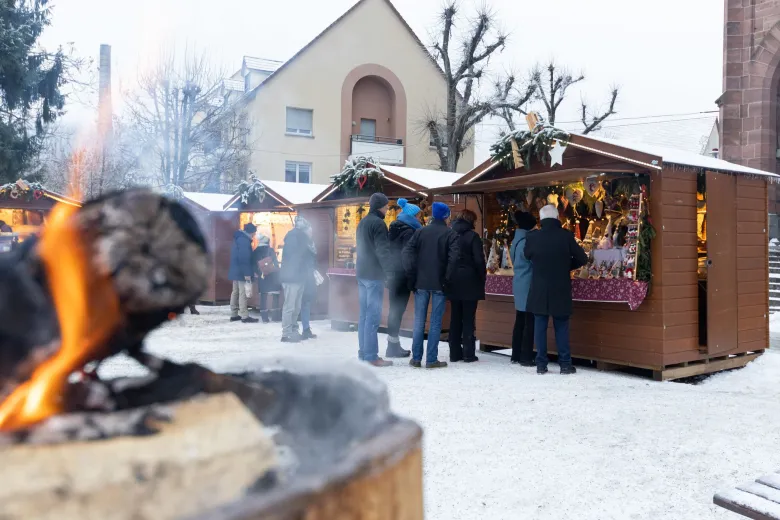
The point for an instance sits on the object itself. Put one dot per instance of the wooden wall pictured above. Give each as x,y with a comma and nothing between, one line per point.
752,265
321,220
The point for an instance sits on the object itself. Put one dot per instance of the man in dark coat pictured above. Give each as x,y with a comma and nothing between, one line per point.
297,268
401,230
373,267
466,289
241,272
429,260
554,254
267,283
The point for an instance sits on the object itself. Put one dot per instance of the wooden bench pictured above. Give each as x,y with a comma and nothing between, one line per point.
759,500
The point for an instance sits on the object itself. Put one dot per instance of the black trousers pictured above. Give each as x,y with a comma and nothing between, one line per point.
399,298
463,317
275,310
523,338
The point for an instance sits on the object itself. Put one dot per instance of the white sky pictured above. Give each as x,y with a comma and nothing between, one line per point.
666,55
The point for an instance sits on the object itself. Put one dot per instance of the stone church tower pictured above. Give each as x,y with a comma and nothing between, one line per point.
749,104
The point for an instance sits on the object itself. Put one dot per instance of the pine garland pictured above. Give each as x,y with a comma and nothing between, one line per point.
172,191
533,145
251,190
22,190
359,173
644,270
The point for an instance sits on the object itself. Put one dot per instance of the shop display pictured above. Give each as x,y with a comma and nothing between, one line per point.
274,225
348,217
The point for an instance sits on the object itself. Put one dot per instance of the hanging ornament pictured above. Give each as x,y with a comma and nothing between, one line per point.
599,206
529,198
564,202
556,153
576,196
361,180
552,198
37,194
592,185
14,192
569,195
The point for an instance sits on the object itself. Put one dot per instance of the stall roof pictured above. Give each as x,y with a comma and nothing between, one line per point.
426,178
208,201
295,192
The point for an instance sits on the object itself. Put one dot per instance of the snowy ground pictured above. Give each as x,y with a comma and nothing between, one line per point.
504,443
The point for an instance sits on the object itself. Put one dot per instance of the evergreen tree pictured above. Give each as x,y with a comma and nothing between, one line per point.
30,83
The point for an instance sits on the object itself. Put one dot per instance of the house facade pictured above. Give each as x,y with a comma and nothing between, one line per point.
364,86
749,104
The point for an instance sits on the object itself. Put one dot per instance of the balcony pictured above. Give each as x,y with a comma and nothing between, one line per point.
386,150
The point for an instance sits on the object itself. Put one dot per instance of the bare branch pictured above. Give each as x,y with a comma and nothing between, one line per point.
596,121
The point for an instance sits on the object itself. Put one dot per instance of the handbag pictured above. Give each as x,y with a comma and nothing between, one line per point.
318,279
267,266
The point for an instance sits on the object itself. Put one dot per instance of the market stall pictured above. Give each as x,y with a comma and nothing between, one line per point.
24,208
659,292
268,205
345,202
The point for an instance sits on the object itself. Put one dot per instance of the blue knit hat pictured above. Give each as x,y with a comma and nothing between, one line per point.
408,209
440,211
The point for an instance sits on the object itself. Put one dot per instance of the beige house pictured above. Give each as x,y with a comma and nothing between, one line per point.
364,86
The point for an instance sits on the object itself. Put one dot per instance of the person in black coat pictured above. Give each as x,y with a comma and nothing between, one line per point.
241,272
267,283
429,260
466,288
401,230
374,265
554,254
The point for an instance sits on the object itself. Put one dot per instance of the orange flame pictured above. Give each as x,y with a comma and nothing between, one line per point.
88,313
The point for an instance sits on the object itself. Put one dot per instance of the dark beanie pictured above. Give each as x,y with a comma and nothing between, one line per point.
524,220
250,228
377,200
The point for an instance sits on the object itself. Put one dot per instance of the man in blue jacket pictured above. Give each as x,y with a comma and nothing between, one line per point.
241,272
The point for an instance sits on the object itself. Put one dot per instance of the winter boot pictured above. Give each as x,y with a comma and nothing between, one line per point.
235,318
292,338
436,364
264,316
276,315
308,334
394,349
568,370
381,363
249,319
469,350
415,364
541,369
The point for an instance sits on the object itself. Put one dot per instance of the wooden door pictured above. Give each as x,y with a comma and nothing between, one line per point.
722,311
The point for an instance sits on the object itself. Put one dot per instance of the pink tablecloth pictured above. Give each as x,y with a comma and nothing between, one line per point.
621,290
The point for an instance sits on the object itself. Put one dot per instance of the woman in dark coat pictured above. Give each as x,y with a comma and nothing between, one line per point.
267,283
466,288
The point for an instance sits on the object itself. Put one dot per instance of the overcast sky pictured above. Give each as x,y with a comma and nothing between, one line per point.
666,55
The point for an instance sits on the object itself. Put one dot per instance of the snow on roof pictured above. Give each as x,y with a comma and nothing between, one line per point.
262,64
209,201
681,157
427,178
233,85
689,134
296,192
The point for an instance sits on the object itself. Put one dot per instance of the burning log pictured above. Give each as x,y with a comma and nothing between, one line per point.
100,278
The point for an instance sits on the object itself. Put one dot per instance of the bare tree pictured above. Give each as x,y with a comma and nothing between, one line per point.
464,58
512,99
548,86
195,137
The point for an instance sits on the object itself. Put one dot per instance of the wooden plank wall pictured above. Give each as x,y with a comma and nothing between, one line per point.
752,265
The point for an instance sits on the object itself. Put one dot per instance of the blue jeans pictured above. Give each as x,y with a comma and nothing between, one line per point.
371,294
421,299
561,326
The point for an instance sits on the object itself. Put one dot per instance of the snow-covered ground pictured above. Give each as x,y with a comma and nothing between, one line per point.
504,443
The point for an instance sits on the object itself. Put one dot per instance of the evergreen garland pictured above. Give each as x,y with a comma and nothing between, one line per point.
532,145
644,270
251,190
172,191
22,190
359,174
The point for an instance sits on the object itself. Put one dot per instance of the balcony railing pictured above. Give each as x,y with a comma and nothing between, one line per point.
386,150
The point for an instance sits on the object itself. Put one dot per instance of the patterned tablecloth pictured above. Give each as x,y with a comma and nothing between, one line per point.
620,290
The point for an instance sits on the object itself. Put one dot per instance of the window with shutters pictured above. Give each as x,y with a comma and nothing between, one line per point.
299,121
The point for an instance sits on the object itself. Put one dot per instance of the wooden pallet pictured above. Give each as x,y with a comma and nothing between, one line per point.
667,373
759,500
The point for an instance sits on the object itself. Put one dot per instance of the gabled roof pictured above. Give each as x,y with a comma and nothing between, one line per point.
285,193
286,64
262,64
208,201
416,180
233,85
